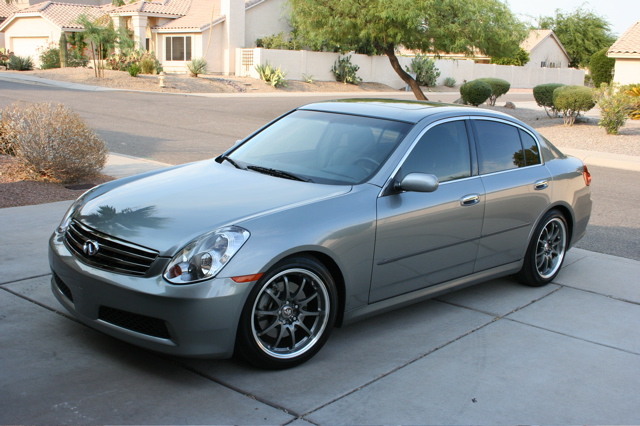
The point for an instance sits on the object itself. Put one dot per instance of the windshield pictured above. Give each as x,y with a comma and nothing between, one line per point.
321,147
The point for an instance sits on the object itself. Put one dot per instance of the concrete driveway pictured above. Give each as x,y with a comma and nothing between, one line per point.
497,353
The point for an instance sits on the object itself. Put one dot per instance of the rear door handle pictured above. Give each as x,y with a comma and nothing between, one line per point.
470,200
541,184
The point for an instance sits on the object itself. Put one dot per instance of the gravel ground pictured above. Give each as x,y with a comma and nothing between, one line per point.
15,191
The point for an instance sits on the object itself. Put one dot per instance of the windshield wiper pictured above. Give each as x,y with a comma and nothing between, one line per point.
233,163
278,173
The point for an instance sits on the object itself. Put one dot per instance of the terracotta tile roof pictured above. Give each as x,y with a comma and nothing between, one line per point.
628,43
6,9
63,15
201,13
162,7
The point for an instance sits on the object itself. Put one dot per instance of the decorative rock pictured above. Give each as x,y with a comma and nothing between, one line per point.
510,105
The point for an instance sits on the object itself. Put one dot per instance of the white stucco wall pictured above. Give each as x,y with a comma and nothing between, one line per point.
32,32
627,71
378,69
265,19
549,52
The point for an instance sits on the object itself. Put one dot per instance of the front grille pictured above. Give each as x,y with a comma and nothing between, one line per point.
135,322
62,287
111,253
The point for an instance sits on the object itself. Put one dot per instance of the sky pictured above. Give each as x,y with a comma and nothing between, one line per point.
621,14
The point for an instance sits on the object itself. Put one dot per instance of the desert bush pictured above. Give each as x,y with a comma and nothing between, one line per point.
475,92
614,107
133,70
633,90
149,64
346,72
6,135
20,63
51,142
5,55
499,87
50,57
543,94
197,66
449,81
425,70
271,75
572,100
601,67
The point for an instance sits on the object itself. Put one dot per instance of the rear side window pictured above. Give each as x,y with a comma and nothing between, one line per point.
503,147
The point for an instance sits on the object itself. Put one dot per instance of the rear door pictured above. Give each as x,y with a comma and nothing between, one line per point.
518,190
423,239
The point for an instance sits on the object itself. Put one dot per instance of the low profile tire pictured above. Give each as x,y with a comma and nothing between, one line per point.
546,251
288,315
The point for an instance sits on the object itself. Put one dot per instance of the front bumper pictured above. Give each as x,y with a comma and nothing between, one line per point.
197,320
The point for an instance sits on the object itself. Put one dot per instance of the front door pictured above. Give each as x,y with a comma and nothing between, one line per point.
424,239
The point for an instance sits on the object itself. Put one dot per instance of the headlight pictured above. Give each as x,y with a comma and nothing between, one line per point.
66,219
205,257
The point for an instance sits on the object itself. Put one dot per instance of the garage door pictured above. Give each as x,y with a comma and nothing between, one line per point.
28,46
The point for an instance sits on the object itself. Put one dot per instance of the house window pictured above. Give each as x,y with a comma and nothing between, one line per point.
178,48
543,64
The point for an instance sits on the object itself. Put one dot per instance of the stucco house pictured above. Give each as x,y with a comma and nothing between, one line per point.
176,30
545,50
626,52
5,11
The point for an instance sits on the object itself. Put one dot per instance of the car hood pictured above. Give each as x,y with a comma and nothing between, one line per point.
167,210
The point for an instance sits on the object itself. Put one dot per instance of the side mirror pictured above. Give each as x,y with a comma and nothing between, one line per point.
418,182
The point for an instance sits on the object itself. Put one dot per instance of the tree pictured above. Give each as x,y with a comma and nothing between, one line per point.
601,67
102,37
582,33
381,26
520,59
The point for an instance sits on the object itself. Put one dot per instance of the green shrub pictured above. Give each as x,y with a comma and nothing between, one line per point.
197,66
50,57
543,94
521,58
614,107
52,142
149,64
20,63
5,55
475,92
271,75
572,100
449,81
601,67
425,70
633,90
345,71
133,70
280,41
499,87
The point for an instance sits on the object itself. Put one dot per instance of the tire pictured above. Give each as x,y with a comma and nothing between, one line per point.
546,251
288,315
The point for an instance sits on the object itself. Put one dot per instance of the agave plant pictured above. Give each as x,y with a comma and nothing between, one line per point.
197,66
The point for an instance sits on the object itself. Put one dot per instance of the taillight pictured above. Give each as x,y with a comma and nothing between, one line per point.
586,175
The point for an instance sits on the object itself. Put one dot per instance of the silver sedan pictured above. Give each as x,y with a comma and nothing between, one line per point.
329,214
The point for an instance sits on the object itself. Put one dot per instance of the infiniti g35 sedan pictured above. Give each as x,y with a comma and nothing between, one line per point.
329,214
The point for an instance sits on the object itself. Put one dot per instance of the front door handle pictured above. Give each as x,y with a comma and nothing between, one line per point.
470,200
541,184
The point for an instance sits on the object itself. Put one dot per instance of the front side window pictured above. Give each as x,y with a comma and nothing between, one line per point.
443,151
178,48
503,147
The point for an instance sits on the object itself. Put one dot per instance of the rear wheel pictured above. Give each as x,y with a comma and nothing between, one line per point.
546,251
289,314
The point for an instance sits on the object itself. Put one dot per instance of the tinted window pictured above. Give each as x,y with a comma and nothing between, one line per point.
442,151
531,150
499,147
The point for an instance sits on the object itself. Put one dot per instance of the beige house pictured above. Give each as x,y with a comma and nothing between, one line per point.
545,50
6,10
176,30
626,52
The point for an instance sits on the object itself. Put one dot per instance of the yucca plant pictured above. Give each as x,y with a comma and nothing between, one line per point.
197,66
271,75
20,63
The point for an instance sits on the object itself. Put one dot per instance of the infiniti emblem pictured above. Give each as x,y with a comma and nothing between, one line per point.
90,248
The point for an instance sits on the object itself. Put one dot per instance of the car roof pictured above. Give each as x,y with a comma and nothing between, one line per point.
398,110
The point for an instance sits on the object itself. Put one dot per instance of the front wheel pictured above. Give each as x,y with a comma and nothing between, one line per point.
289,314
546,251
